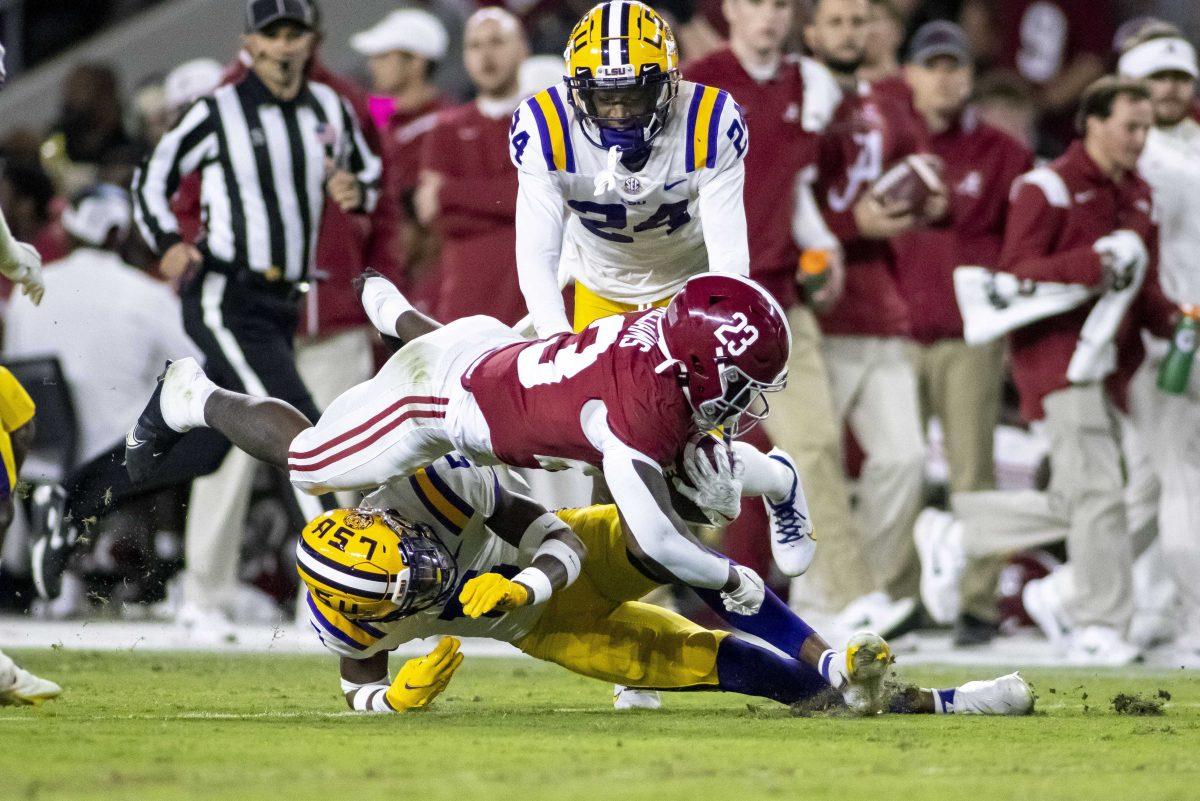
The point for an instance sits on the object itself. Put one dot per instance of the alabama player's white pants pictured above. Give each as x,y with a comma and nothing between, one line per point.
412,412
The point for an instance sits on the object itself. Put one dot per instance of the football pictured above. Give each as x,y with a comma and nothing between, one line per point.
911,180
707,443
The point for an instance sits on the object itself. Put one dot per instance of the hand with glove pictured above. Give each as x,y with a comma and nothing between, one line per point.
714,478
27,271
747,598
424,678
492,591
1122,254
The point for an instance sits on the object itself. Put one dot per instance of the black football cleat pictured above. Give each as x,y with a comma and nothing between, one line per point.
54,539
151,439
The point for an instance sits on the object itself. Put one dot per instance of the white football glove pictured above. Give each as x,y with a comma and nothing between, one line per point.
383,304
715,489
29,272
747,598
1123,253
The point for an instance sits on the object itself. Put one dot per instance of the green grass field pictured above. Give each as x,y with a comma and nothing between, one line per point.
167,726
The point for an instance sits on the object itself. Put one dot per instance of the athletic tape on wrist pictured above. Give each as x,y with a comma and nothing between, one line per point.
538,583
371,698
563,553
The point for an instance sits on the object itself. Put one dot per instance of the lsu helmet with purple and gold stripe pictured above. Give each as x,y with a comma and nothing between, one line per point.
373,564
622,72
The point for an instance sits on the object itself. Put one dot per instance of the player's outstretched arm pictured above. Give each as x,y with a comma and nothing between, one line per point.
558,556
417,683
659,538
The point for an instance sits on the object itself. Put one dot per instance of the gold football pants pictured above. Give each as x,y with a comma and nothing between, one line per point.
597,628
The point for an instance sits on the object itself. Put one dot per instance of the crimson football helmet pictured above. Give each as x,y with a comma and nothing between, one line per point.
731,341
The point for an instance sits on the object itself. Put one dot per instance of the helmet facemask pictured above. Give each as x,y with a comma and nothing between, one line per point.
429,573
742,398
646,101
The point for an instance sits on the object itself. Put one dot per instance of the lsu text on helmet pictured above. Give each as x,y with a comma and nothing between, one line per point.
622,73
372,564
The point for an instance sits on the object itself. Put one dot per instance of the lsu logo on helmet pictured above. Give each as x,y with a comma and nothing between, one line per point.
372,564
622,68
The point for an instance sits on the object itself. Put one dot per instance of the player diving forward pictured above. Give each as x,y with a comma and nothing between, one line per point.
623,395
462,556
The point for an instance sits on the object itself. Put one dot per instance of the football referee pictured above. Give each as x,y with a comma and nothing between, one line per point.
268,149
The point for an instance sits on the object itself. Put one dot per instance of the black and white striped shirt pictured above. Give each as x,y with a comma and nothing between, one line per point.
263,170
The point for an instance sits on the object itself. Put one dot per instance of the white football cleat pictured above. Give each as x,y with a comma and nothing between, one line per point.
939,540
862,667
633,698
1041,600
1101,646
792,544
20,687
1007,695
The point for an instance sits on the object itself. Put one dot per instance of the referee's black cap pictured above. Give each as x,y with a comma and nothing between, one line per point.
261,13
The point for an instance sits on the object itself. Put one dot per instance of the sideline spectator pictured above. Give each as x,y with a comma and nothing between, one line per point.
1085,219
959,384
1168,425
467,188
1059,47
110,325
404,51
873,385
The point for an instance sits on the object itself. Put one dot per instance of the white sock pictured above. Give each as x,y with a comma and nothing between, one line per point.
764,476
830,666
183,397
384,304
943,701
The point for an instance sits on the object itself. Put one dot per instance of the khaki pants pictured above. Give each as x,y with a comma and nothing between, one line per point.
1085,505
874,390
1167,427
803,423
961,385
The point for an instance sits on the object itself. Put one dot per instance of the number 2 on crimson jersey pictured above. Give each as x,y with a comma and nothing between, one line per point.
537,366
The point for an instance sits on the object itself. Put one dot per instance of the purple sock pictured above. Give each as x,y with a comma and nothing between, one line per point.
751,670
774,622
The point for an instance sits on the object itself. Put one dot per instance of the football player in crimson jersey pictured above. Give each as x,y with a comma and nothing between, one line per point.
625,395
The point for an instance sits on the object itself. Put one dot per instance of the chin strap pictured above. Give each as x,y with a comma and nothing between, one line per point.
606,179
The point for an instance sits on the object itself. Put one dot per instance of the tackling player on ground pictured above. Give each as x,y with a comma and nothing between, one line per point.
459,555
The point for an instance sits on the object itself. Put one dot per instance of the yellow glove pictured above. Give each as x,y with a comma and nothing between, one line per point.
491,591
423,679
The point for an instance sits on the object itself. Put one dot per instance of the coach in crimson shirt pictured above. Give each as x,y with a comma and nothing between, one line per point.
1057,215
467,188
960,384
874,387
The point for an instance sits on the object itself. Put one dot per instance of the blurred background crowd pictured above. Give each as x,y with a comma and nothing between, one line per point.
443,231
